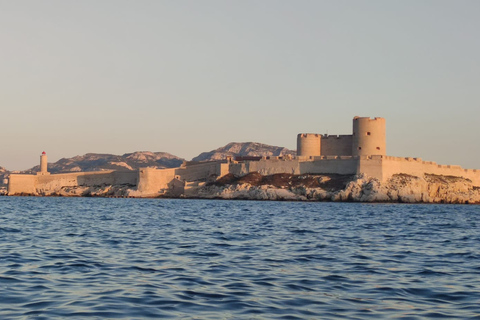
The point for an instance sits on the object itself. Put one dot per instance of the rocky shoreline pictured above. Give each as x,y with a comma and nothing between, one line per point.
399,189
285,187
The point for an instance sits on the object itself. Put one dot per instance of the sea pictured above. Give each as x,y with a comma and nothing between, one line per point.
103,258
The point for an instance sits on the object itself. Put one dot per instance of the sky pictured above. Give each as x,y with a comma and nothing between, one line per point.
188,76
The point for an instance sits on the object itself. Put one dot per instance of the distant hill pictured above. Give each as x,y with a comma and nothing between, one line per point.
251,149
98,162
141,159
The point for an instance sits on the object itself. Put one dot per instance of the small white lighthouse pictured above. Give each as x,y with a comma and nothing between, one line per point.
43,164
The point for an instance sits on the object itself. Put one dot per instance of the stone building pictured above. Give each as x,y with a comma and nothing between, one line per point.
368,138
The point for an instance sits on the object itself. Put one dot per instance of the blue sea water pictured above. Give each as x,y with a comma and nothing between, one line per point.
202,259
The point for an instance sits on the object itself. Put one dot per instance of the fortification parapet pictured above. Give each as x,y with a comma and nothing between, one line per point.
308,144
336,145
369,136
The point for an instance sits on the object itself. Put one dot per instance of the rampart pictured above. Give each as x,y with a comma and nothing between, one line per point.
299,165
38,184
384,167
340,145
417,167
153,182
202,170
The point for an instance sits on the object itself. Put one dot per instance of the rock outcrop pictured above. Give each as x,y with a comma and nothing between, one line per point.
120,191
343,188
244,149
400,188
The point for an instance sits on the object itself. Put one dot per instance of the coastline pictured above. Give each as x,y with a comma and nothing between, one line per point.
400,188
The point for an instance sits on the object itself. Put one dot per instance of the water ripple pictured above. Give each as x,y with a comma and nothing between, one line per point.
139,259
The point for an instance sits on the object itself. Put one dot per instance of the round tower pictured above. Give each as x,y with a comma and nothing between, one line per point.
369,136
43,162
308,144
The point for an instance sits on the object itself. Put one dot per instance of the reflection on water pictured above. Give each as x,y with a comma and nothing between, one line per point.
134,258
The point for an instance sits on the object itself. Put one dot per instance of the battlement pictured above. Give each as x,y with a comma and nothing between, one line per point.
340,136
306,135
369,118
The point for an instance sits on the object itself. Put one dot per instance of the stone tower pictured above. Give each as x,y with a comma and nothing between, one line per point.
369,136
43,164
308,144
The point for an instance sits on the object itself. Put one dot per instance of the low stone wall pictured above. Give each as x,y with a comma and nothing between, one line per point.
41,184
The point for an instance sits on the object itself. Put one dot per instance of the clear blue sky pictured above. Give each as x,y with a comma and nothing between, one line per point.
183,77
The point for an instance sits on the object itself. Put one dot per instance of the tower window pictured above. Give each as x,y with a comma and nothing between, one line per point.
368,133
359,148
378,148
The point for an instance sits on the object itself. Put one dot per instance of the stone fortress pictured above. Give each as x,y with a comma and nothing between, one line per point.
368,139
362,152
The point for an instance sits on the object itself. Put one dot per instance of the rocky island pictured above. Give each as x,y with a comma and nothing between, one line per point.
351,167
400,188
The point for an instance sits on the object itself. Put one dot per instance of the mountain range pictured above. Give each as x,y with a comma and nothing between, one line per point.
250,149
98,162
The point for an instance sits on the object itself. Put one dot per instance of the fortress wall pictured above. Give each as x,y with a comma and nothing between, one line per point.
88,179
332,165
274,166
336,145
21,183
417,167
202,171
151,181
48,183
372,166
265,167
376,166
239,169
33,184
113,178
224,169
126,177
473,175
